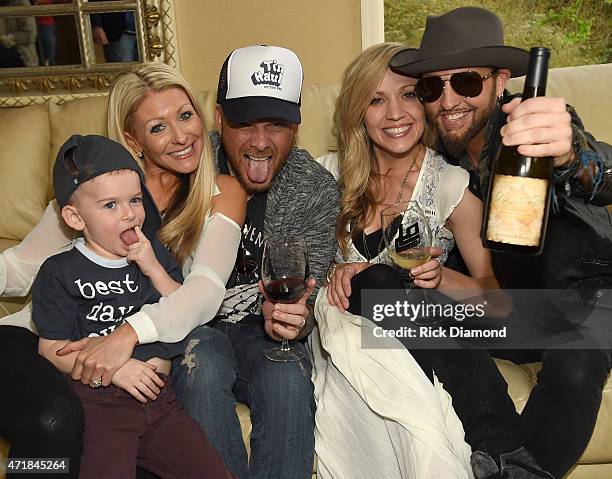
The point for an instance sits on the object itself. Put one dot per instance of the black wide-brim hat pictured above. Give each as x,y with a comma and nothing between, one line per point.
464,37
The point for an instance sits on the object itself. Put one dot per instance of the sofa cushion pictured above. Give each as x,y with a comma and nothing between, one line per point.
244,416
84,116
316,131
587,88
519,382
23,173
208,100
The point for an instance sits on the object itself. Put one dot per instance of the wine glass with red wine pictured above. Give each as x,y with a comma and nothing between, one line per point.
284,272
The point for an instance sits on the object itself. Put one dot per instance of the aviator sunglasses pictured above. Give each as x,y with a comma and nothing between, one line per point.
467,84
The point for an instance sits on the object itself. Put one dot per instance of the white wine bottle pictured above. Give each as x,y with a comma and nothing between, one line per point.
520,187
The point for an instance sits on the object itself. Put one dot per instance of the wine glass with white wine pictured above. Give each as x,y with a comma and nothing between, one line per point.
407,236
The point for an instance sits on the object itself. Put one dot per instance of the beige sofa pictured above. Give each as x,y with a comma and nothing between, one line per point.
31,137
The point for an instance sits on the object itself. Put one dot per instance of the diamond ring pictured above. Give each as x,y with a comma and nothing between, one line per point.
95,383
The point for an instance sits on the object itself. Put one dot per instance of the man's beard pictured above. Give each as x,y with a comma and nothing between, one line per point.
456,144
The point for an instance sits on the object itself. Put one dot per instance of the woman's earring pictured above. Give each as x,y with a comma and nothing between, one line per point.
140,155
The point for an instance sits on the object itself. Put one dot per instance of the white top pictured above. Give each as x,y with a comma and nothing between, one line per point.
438,190
173,317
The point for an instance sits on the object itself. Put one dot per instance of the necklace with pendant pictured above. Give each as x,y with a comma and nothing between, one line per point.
399,197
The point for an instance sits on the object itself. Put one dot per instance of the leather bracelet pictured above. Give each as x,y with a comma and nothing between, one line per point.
578,143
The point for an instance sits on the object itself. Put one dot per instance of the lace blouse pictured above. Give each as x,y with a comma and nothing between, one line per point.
438,190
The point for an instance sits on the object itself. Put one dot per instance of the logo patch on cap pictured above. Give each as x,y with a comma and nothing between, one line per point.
260,82
263,71
271,74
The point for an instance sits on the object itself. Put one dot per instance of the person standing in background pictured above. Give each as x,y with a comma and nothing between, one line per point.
116,33
46,36
17,38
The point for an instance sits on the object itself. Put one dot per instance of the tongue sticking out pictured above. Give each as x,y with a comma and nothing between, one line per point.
129,237
257,171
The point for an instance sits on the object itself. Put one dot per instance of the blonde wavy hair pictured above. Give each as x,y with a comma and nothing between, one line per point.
355,152
187,209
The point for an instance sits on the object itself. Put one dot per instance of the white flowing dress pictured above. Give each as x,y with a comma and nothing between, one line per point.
378,415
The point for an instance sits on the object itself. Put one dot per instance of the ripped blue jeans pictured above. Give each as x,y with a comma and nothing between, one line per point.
224,363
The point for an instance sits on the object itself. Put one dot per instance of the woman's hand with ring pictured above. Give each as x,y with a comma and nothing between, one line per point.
339,286
95,383
101,357
429,275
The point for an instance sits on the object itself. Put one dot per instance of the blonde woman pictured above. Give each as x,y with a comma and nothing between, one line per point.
153,112
381,159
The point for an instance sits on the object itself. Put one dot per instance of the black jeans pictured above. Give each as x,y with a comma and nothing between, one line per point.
480,399
558,420
39,413
381,276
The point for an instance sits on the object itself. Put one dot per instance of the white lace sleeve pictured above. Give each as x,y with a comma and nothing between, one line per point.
199,298
453,182
20,264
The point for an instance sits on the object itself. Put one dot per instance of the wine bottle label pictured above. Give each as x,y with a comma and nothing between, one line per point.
517,209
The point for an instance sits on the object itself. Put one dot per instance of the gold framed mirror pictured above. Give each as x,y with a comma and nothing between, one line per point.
63,49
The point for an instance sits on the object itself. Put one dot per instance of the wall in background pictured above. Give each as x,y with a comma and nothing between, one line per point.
326,35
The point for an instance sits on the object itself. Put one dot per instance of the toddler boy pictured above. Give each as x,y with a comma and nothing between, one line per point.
109,274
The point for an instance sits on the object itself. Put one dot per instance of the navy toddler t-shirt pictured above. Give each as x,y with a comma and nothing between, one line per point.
80,294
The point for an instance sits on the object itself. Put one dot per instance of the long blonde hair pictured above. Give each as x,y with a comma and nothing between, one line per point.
186,213
355,152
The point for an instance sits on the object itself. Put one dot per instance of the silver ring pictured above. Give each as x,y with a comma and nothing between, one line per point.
95,383
303,323
439,262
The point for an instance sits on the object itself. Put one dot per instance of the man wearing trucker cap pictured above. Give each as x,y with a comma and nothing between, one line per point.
290,195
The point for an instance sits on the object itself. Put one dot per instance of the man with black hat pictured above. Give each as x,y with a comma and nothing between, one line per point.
463,66
290,196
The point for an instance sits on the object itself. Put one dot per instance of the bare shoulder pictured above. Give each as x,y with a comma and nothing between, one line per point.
470,201
228,185
232,200
468,211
